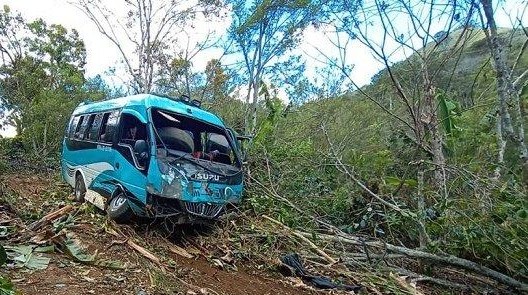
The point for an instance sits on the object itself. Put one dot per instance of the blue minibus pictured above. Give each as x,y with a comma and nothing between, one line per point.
154,156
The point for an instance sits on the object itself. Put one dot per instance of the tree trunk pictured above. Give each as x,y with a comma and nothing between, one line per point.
502,148
431,124
420,204
247,128
256,85
512,126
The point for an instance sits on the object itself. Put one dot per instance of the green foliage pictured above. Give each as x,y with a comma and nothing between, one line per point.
42,75
274,107
480,219
492,228
27,256
448,111
77,251
7,287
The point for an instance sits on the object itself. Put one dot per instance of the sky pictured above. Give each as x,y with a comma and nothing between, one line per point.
101,53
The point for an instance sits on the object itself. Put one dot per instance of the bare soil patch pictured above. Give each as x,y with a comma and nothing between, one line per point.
28,197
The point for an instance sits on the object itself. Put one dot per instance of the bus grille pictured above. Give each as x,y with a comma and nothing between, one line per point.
203,209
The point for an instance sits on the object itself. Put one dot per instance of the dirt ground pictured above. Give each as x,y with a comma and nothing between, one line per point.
28,197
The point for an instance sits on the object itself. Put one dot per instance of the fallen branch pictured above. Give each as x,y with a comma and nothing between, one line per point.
447,259
180,251
415,277
144,252
138,248
50,217
305,239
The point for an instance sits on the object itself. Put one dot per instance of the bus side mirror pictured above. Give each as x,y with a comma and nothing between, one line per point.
141,149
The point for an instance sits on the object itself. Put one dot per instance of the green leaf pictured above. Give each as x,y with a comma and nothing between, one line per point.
45,249
37,262
407,213
392,181
395,181
75,249
6,286
23,256
113,264
410,182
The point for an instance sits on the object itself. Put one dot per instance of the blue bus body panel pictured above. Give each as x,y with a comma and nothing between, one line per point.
142,102
94,164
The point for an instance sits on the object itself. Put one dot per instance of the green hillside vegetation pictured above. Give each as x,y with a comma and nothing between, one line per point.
479,220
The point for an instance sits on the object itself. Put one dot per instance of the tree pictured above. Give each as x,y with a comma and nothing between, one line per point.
216,86
510,119
266,32
408,29
97,88
148,37
41,74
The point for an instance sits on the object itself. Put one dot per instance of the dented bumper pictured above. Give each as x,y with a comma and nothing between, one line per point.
187,188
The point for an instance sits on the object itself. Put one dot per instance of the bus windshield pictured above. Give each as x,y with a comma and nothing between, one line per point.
181,134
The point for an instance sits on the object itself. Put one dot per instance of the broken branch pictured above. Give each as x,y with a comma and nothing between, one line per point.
446,259
48,218
138,248
305,239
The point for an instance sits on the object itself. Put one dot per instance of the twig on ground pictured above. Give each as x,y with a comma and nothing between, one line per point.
305,239
421,278
147,254
48,218
419,254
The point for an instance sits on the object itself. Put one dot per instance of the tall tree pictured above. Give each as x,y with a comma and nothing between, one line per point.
265,32
147,38
510,119
416,31
41,74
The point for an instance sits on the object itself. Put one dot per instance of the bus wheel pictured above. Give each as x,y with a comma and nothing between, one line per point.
80,190
119,209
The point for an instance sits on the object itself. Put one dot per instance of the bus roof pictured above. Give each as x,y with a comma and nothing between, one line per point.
146,101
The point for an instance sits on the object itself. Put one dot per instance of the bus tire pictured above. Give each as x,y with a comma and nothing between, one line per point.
118,209
80,189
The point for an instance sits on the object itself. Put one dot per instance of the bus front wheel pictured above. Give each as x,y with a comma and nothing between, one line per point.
118,209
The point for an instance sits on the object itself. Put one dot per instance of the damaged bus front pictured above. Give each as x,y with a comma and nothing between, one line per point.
197,167
152,156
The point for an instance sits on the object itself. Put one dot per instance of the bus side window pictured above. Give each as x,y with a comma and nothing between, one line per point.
93,133
108,126
132,130
86,127
73,125
81,125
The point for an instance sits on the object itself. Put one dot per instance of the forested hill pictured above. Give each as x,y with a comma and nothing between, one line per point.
355,160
